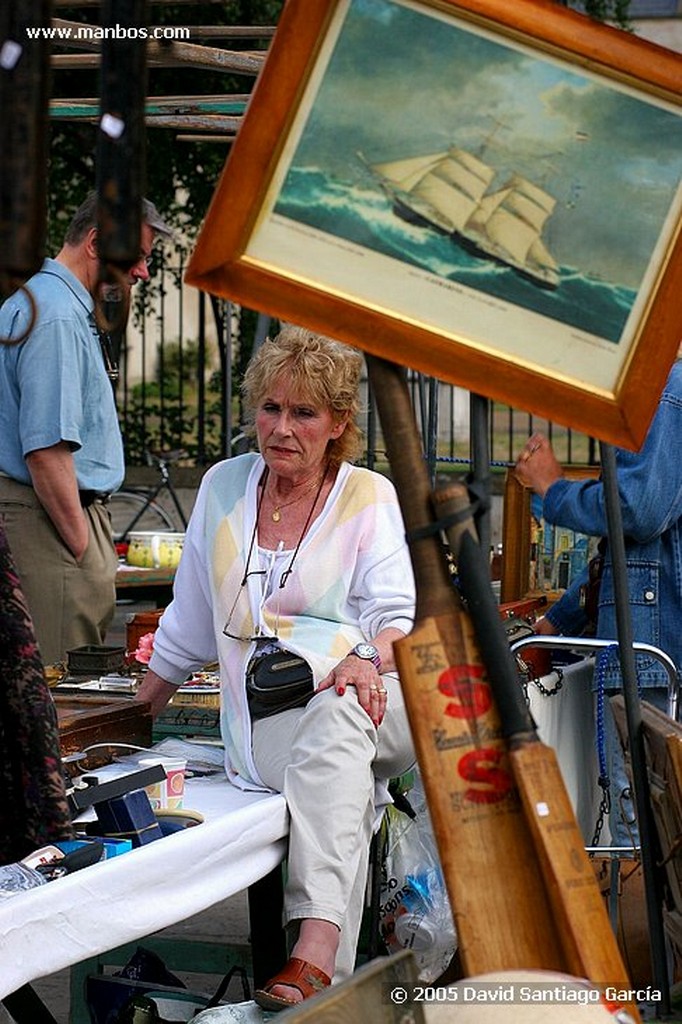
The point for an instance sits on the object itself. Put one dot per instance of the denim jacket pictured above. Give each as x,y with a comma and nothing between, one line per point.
650,488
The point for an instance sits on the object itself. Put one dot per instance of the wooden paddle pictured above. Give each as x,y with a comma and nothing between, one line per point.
492,874
587,939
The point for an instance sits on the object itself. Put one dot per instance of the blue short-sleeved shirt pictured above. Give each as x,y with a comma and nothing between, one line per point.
54,386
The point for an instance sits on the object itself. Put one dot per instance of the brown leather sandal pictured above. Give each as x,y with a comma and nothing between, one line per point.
299,974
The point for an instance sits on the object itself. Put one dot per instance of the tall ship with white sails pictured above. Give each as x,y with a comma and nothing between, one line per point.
449,192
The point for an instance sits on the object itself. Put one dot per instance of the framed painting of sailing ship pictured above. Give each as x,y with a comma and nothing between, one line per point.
488,192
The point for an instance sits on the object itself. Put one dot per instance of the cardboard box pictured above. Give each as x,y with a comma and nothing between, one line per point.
129,817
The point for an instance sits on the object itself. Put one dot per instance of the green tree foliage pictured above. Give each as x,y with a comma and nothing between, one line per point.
616,11
181,176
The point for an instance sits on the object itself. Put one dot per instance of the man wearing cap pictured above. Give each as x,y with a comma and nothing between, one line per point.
61,451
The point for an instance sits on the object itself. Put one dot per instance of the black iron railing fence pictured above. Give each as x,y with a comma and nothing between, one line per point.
181,364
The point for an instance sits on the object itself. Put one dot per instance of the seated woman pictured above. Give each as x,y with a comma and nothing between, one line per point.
296,550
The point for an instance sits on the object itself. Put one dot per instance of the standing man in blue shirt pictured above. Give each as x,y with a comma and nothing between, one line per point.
650,489
61,451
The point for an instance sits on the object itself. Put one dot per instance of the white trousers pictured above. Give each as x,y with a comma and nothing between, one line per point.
325,759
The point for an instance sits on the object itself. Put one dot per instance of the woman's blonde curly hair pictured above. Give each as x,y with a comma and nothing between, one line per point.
321,371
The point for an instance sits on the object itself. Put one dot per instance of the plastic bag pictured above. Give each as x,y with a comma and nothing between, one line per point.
414,909
237,1013
144,991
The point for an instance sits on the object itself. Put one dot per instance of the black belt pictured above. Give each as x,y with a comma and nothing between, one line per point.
88,498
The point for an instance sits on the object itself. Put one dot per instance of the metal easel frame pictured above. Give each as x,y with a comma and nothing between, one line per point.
480,431
633,714
627,649
590,645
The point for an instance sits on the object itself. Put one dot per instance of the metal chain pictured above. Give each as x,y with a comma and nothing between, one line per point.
603,811
603,780
546,691
527,679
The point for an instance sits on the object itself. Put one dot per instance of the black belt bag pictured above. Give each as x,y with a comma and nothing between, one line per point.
277,682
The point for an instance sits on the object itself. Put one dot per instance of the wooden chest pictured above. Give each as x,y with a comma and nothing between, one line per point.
84,720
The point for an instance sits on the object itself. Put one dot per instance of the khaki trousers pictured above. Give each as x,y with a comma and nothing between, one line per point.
325,758
71,603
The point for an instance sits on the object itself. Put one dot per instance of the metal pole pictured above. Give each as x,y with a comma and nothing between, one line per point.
479,424
201,382
371,426
431,439
633,713
121,143
229,369
24,137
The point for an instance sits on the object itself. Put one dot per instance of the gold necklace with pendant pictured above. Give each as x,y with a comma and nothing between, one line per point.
276,513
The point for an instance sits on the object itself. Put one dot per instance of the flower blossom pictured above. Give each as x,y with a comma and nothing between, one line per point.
145,649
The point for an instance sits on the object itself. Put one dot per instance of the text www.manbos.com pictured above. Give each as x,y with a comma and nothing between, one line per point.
96,33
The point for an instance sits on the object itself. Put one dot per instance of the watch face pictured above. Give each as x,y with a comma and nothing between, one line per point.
367,651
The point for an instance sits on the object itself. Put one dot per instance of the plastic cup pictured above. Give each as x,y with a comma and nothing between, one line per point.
168,794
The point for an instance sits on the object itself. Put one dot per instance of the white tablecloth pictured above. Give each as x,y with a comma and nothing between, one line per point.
242,838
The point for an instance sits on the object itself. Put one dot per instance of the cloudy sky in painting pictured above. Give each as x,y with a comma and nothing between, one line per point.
402,81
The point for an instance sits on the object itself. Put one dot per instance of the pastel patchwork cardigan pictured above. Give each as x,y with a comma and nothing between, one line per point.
352,577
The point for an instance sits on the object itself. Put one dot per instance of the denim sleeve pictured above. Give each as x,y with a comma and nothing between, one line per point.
649,481
568,614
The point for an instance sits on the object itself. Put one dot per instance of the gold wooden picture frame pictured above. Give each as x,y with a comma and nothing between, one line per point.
488,192
538,560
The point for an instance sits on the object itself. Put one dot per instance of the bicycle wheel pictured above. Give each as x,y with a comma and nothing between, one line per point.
132,511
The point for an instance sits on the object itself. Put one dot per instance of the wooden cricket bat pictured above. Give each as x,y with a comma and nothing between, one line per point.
589,946
493,877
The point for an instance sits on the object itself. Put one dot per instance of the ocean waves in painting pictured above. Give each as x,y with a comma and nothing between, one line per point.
361,213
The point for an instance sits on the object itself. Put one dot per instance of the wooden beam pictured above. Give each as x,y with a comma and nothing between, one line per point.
96,3
198,122
174,55
168,53
226,139
84,36
89,108
232,31
209,123
196,31
229,98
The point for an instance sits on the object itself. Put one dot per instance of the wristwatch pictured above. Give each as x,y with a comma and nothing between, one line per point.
368,652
